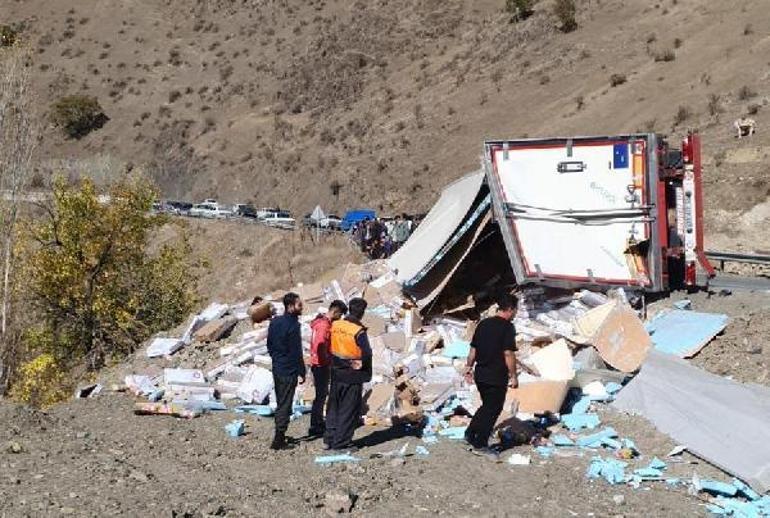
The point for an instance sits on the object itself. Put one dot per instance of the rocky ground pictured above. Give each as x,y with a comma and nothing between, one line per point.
95,458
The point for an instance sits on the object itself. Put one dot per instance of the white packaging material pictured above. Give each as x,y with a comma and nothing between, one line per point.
191,392
559,327
256,385
438,360
441,374
234,374
139,384
305,332
183,377
227,350
596,389
337,289
383,280
164,347
517,459
408,323
412,364
230,387
383,361
592,298
240,311
256,335
554,362
263,359
454,322
214,311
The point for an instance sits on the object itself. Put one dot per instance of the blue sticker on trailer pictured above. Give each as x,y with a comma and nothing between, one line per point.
620,156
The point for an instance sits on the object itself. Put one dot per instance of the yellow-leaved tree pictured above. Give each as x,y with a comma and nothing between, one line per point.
98,290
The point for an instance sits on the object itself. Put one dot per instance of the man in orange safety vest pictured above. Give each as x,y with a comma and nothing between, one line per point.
351,368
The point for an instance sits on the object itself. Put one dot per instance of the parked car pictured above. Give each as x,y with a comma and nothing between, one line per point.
209,210
179,208
330,222
280,219
354,216
245,210
265,211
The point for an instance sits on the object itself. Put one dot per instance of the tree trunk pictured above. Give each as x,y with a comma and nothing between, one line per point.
19,129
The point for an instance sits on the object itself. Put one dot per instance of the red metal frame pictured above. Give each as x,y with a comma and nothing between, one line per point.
694,142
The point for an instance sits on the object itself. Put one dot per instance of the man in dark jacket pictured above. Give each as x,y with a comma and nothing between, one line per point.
351,368
284,344
492,353
321,361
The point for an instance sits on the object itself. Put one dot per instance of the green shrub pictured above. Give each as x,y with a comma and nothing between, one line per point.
78,115
41,382
99,290
519,9
565,11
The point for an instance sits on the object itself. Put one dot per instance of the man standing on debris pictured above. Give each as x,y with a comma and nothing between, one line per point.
492,352
320,363
284,344
351,368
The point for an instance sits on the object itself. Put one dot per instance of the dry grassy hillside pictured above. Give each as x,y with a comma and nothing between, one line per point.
278,101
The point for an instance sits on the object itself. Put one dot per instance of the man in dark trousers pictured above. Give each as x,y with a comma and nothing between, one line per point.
321,361
351,368
492,352
284,344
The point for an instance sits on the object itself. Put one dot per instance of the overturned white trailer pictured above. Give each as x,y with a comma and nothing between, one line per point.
568,212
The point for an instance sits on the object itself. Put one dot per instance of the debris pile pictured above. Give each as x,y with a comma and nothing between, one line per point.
564,339
574,351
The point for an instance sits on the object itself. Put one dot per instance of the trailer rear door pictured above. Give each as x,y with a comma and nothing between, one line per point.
577,211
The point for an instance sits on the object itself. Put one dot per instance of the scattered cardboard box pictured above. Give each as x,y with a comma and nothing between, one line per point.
538,396
216,329
374,324
622,340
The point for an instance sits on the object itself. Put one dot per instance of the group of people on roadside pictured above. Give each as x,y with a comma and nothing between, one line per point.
380,239
341,362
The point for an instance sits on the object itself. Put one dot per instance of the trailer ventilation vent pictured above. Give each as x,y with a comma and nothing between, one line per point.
571,167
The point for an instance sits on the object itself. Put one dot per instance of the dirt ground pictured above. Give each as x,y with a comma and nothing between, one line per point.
741,351
245,259
94,458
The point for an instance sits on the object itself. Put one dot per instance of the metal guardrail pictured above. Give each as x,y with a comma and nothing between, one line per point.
737,283
736,257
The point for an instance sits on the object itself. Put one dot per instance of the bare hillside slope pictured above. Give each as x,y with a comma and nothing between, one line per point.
278,101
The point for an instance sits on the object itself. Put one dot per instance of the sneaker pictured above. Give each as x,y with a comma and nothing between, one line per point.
488,453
